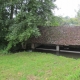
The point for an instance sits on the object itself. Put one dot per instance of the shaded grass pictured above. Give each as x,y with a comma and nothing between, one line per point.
38,66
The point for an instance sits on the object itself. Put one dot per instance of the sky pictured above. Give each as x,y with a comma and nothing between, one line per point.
67,7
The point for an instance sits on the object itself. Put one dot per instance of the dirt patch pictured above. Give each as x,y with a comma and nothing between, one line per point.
32,77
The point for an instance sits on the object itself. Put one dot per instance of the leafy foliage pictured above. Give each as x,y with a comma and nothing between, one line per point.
29,15
19,19
75,21
3,23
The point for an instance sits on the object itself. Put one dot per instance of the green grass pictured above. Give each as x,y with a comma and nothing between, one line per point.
38,66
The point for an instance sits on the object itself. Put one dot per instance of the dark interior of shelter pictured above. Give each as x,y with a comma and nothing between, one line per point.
45,48
62,47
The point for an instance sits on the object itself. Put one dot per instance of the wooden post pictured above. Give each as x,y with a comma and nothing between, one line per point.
32,46
57,49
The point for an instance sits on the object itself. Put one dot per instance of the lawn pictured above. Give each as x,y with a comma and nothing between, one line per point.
38,66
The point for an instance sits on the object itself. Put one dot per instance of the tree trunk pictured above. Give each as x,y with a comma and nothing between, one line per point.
12,10
16,10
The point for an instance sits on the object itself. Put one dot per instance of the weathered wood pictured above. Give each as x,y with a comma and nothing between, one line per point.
57,52
46,49
57,48
70,51
32,46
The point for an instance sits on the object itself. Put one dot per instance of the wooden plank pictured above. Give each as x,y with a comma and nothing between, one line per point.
46,49
70,51
60,50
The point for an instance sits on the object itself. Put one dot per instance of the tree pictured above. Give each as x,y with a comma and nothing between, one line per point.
31,14
57,21
66,21
77,17
7,10
3,22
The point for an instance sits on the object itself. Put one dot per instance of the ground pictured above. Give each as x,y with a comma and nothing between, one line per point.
38,66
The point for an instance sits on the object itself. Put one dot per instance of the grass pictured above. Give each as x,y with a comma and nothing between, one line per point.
38,66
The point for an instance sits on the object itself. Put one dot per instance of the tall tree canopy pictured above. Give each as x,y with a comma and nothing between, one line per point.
3,22
23,18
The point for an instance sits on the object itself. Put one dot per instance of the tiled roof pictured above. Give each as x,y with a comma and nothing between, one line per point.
65,35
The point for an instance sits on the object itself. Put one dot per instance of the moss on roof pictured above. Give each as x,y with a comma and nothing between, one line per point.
63,35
